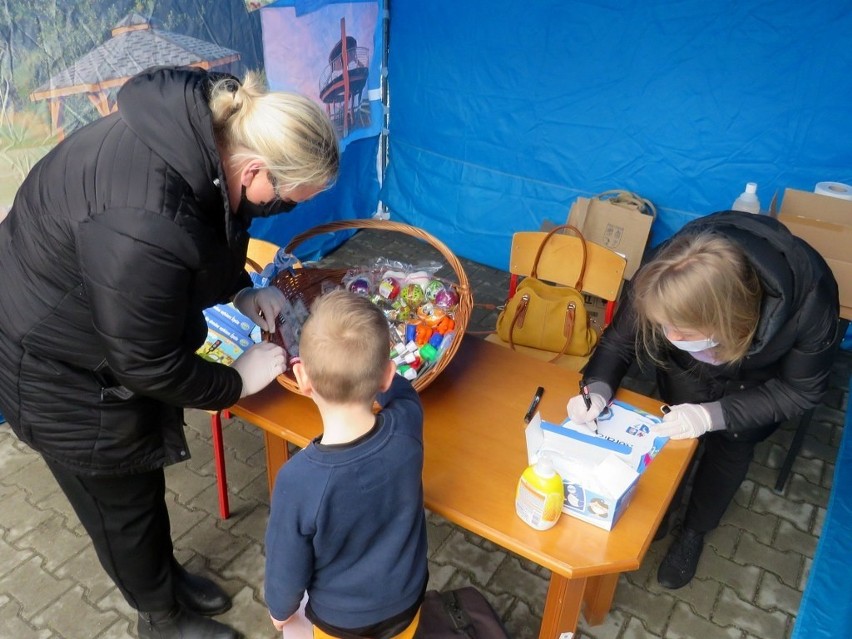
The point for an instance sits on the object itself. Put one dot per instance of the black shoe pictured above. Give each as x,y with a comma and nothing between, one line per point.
199,594
181,624
679,564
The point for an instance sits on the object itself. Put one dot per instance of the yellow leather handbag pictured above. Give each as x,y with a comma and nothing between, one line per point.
549,316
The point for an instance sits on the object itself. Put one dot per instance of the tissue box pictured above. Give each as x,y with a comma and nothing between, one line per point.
599,471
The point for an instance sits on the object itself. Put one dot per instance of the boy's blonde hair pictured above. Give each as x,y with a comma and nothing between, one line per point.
288,132
345,348
700,282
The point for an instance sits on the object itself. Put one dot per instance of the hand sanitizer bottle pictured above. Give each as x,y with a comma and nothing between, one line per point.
538,500
747,201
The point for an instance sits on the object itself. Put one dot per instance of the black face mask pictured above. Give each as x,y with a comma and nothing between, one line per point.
250,210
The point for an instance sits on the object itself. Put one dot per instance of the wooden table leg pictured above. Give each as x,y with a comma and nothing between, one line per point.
562,607
598,597
277,455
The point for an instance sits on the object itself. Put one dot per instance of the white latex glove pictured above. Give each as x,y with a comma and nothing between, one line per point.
261,305
684,421
259,365
578,412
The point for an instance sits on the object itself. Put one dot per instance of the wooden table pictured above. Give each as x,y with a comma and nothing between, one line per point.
475,452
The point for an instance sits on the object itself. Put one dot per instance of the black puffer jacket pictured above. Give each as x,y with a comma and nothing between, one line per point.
787,367
116,242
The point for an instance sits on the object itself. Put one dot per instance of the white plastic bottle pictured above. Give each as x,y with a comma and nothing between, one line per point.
538,500
747,201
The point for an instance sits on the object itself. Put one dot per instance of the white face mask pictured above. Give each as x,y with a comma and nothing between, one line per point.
695,346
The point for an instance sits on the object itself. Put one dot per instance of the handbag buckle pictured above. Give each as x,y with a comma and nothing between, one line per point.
568,329
522,309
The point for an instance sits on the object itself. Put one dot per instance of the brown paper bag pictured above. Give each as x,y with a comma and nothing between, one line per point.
618,220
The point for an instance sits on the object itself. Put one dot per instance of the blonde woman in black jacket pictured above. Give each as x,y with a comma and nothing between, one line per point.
740,319
116,242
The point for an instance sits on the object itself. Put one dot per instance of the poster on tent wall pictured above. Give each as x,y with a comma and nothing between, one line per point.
331,52
65,61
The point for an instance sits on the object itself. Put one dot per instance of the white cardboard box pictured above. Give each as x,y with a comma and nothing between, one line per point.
599,471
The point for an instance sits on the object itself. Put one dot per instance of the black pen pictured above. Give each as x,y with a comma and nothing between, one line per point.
534,404
584,391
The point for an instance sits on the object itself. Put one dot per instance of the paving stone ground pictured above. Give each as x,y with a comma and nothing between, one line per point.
749,582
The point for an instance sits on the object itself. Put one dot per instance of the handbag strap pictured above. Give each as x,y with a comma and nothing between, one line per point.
553,231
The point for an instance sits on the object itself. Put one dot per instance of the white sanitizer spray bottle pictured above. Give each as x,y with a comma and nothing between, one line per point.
747,201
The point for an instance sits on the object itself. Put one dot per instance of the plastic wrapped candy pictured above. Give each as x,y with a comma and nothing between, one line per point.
413,295
389,288
421,278
430,314
360,286
433,288
446,299
404,312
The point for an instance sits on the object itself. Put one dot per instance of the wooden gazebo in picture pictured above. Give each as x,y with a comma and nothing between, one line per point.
134,46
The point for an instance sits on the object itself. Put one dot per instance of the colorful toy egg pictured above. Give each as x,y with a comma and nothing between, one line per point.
413,295
432,289
360,286
446,299
389,288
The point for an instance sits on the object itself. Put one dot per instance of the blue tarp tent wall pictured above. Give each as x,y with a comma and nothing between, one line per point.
503,112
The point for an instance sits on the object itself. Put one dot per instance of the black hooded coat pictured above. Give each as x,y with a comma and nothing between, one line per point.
116,242
786,369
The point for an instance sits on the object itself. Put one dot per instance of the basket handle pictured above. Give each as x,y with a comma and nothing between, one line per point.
386,225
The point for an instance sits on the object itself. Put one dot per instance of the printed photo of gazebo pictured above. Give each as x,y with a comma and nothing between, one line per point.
134,46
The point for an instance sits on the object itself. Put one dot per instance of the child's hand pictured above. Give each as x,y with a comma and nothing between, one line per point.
296,626
279,625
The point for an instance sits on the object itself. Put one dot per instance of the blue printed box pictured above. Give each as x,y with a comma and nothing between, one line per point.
599,470
228,336
227,315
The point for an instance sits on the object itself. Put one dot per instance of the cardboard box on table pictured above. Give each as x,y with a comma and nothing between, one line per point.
599,471
825,223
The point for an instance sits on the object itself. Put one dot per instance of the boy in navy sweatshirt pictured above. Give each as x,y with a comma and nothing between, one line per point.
347,525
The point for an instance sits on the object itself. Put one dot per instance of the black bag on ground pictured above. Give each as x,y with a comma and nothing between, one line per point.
459,614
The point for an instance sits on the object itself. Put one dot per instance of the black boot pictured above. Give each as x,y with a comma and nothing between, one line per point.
181,624
678,566
198,593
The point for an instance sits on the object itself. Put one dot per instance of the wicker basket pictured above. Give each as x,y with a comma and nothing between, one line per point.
307,283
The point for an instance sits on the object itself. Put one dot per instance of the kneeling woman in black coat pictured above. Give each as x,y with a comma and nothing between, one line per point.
740,319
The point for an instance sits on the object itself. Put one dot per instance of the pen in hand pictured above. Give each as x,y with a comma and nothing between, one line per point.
584,391
534,404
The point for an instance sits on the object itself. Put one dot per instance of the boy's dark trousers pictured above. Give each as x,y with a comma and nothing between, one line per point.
127,520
